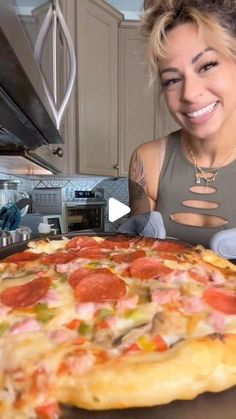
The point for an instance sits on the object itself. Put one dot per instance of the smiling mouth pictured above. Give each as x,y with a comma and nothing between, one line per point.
204,111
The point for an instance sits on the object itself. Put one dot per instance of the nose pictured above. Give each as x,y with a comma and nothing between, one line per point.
192,88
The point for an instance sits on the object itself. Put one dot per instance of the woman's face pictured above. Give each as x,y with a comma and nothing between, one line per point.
199,83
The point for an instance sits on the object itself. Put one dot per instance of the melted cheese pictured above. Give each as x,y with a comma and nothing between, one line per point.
46,246
55,341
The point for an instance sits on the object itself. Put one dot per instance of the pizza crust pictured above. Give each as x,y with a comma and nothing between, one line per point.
138,379
187,370
210,257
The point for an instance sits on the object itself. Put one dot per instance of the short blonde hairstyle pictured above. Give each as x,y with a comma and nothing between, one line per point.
215,21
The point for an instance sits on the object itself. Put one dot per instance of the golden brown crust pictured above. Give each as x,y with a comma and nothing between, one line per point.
188,369
195,359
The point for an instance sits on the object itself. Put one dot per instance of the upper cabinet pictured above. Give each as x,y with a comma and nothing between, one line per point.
136,97
143,114
97,51
114,108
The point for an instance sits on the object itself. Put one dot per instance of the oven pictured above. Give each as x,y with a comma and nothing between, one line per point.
85,216
84,212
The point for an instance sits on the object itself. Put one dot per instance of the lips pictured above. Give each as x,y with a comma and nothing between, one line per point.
201,112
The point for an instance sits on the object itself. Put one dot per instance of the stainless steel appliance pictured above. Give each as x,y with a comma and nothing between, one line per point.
86,217
29,114
47,201
84,213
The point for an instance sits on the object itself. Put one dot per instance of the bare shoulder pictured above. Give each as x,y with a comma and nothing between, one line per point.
148,153
147,149
144,170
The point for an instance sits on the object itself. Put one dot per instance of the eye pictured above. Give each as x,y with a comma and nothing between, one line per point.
169,82
208,66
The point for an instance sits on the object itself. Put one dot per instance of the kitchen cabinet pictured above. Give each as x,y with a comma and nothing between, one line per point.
143,115
97,89
113,107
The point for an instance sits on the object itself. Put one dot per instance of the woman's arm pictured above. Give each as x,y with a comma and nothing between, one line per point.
144,172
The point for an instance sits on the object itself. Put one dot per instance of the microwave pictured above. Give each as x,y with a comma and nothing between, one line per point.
86,217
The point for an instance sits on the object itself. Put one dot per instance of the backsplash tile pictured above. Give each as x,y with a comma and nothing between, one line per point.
113,188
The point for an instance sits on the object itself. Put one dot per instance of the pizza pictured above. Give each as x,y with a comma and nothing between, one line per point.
111,323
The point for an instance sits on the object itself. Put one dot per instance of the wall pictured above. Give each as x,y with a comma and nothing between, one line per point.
113,188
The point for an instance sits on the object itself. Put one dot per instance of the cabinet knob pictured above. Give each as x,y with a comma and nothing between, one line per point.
58,151
116,166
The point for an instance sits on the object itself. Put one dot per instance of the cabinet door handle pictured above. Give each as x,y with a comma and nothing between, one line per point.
53,17
58,151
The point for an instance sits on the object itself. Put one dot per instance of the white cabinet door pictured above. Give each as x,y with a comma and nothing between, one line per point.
97,52
143,113
137,97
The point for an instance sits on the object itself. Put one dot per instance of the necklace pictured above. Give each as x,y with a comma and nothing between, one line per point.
210,174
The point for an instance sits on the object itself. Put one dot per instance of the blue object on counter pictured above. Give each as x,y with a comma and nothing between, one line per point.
10,217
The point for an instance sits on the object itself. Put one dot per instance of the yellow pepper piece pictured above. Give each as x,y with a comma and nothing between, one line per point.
146,344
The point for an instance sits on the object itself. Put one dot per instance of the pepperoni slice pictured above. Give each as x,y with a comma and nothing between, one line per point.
128,257
26,295
23,257
91,253
100,287
116,242
169,246
147,268
56,258
77,275
220,299
80,242
144,242
80,273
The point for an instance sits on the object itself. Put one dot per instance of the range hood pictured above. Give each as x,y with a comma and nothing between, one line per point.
27,122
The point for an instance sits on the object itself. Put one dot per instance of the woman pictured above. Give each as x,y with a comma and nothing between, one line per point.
189,176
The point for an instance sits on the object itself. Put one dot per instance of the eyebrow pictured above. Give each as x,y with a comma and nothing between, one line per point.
193,61
196,58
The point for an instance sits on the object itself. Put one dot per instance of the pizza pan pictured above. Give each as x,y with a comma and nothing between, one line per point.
206,406
20,246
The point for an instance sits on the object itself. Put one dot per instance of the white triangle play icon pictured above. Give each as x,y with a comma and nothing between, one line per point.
116,209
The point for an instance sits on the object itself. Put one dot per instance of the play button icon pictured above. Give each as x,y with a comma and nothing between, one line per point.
116,209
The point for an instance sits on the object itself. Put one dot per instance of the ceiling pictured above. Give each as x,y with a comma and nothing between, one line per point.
130,8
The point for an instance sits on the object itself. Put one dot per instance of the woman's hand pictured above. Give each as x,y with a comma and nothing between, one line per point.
224,243
149,224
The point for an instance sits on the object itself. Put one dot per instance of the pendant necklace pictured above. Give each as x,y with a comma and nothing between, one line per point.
208,175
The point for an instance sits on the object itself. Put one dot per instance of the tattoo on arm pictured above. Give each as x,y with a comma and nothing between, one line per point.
138,199
136,170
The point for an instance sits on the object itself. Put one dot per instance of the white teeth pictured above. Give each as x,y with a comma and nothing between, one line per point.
202,111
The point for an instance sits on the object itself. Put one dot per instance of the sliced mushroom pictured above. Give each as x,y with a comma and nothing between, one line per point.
132,334
104,337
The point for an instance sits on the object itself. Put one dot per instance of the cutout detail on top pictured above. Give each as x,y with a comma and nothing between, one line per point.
198,220
195,203
202,189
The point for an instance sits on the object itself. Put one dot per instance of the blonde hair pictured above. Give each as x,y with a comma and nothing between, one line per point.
215,20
